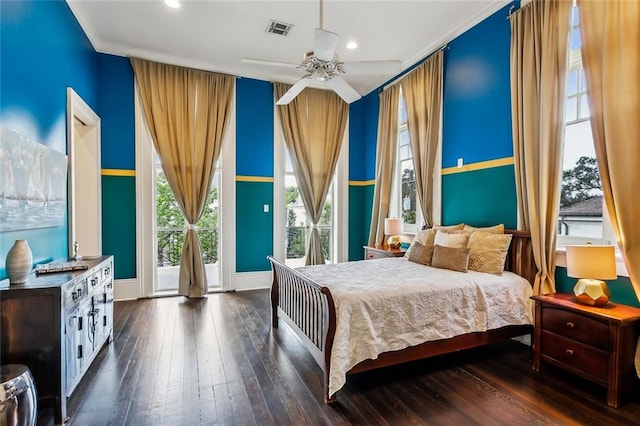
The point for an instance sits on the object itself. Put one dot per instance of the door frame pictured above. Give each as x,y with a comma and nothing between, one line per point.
78,109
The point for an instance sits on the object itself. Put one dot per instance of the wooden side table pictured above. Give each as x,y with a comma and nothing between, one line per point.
596,343
380,252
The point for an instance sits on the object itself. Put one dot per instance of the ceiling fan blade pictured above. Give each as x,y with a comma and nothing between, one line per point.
294,91
342,88
372,67
324,44
269,63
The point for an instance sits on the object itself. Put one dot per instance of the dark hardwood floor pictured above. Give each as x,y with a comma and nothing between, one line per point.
215,360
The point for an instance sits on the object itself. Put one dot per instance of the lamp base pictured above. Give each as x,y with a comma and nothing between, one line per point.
592,292
394,242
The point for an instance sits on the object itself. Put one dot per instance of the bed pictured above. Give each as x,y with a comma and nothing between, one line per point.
341,312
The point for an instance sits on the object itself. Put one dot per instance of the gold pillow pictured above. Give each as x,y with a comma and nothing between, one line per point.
458,227
455,239
424,237
488,252
496,229
421,253
455,259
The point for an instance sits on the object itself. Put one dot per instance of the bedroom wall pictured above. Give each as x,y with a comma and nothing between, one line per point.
44,51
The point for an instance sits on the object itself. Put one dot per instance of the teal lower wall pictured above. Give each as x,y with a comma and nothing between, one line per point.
360,201
480,198
254,227
119,223
621,290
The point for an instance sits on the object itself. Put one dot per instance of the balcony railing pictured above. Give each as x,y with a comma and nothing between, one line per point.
295,240
171,240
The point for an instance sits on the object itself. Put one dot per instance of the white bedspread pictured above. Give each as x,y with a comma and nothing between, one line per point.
390,304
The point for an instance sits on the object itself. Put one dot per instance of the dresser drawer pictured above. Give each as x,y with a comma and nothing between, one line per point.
577,327
575,355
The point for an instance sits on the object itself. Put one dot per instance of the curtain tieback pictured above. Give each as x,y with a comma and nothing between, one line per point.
190,227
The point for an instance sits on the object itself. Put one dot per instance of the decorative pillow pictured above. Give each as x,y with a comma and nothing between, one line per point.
424,237
451,239
458,227
488,252
421,253
455,259
496,229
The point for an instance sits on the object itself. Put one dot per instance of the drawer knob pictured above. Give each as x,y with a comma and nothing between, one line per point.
569,352
570,324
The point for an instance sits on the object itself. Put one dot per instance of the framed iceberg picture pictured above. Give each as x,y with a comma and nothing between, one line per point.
33,184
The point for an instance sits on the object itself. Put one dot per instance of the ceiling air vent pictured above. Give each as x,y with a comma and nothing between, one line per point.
280,28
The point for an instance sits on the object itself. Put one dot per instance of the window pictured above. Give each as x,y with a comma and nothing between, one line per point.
582,216
404,193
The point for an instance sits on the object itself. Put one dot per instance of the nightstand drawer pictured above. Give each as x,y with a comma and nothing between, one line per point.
577,327
375,255
575,355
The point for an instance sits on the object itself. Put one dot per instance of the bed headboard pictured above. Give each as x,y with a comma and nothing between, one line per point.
520,256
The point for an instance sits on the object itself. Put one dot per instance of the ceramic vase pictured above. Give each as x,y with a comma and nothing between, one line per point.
19,262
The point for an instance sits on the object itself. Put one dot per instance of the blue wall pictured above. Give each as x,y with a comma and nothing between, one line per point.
44,51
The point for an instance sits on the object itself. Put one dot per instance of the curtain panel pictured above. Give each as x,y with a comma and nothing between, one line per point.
385,162
186,112
313,124
422,92
610,33
539,61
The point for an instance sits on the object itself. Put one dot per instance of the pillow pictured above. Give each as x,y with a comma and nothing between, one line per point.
451,239
458,227
496,229
455,259
424,237
488,252
421,254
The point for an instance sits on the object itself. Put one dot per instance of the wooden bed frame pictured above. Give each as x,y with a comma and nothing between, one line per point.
308,309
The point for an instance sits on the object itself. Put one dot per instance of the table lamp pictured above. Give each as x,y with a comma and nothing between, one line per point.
591,264
393,227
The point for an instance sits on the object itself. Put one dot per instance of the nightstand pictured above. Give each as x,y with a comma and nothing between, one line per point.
380,252
596,343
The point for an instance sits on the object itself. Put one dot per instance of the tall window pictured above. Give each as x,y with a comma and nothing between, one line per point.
404,193
170,233
297,223
582,215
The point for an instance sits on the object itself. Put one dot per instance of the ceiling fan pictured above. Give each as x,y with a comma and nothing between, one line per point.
323,66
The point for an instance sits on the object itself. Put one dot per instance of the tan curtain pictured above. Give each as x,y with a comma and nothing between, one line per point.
313,125
610,33
186,111
385,161
539,49
422,92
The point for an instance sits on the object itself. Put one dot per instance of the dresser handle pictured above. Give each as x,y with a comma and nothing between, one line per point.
569,352
570,324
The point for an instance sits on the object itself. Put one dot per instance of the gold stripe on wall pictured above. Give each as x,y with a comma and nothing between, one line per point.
362,182
118,172
479,166
253,179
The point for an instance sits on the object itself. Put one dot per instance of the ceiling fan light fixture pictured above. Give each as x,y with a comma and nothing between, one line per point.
174,4
352,45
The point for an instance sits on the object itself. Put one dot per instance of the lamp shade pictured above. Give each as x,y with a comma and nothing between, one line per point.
393,226
591,261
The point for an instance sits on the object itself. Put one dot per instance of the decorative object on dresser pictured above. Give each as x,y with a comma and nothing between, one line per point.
596,343
55,324
19,262
393,228
379,252
591,264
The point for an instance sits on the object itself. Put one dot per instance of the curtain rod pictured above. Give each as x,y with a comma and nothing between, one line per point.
407,72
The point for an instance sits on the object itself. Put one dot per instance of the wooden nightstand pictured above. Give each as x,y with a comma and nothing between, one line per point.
597,343
379,252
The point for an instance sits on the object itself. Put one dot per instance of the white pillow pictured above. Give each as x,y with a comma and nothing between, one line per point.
452,240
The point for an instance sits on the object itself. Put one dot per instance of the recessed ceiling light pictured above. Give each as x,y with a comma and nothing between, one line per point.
352,45
172,3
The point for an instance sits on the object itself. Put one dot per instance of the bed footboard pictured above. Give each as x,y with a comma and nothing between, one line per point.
308,309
